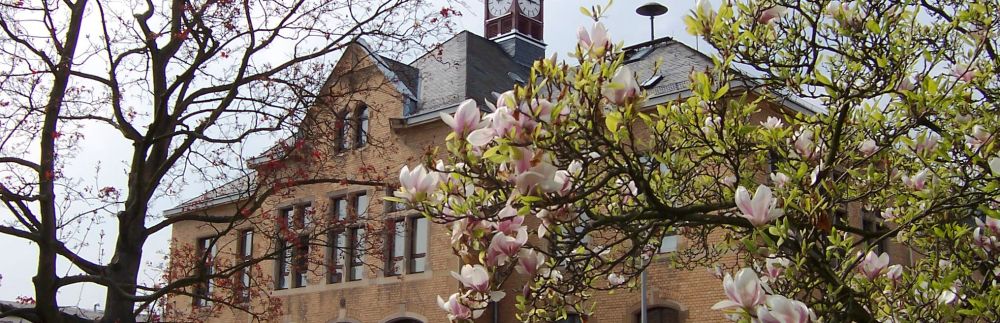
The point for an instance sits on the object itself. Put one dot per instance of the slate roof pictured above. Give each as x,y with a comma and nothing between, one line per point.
234,190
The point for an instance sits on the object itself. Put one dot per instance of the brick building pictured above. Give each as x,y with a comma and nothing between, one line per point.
393,111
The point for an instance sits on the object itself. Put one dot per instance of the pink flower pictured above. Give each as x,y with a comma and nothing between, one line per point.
926,143
529,261
416,184
503,246
743,292
868,147
963,72
761,209
456,310
775,266
918,182
768,15
729,180
804,145
500,121
623,88
872,266
783,310
977,138
474,277
596,43
466,119
894,273
780,179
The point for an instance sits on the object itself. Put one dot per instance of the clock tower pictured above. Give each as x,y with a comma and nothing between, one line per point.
516,25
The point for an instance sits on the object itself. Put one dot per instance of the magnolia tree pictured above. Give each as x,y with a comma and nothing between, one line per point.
570,181
178,87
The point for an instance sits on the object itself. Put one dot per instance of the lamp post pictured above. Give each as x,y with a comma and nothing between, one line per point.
651,10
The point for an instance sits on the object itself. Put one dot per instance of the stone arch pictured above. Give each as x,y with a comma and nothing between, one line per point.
393,318
682,310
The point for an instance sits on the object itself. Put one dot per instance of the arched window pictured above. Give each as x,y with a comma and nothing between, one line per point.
361,130
344,131
658,314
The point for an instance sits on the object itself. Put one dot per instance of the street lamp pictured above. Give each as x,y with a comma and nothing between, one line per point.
651,10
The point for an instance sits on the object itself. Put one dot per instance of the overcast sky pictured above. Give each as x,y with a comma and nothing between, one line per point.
562,18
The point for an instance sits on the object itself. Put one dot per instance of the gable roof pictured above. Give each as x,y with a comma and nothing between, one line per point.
235,190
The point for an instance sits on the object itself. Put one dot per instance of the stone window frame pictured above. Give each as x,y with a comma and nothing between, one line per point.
244,251
406,260
301,224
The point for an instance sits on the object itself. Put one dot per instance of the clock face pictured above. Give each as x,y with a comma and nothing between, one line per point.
499,7
530,8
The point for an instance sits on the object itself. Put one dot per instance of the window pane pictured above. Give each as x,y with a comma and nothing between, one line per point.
358,253
343,138
282,269
418,257
361,135
340,209
301,261
362,205
307,215
286,216
338,251
668,244
246,252
397,247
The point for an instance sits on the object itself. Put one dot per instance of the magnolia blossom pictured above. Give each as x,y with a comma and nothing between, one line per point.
705,8
905,85
868,147
503,246
873,265
615,280
623,87
779,179
804,145
889,213
596,43
759,210
529,261
995,166
551,274
729,180
918,182
768,15
456,310
775,266
780,309
466,119
495,124
772,123
743,292
474,277
946,296
894,273
927,143
416,184
977,138
963,72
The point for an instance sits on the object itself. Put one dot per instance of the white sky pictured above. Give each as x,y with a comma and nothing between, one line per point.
562,18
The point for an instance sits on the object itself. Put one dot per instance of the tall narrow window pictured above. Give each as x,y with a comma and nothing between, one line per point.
283,270
357,253
344,132
337,242
395,246
418,244
361,130
245,253
357,236
301,266
207,250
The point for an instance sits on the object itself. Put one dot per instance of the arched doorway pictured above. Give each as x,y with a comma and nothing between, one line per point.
405,320
658,314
